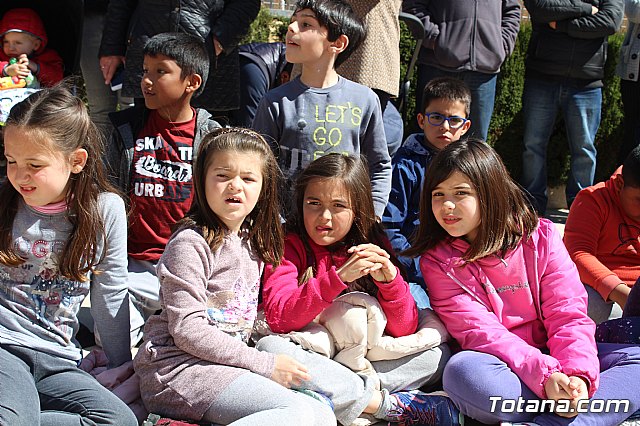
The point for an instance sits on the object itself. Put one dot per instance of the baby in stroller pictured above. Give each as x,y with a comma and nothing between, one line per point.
27,60
24,49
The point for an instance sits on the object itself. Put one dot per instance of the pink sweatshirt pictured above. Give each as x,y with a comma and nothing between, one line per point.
529,308
290,307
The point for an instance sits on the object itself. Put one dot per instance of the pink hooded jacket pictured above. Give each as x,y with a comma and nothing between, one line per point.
27,20
529,308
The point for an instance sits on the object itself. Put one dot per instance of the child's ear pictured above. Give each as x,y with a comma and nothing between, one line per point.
420,119
465,127
619,182
340,44
78,160
194,81
37,44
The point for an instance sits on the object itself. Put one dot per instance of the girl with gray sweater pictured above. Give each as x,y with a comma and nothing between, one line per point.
62,233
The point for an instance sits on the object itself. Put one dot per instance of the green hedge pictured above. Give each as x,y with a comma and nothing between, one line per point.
506,130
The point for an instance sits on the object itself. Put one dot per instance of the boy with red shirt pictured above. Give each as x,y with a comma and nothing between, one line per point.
602,235
150,156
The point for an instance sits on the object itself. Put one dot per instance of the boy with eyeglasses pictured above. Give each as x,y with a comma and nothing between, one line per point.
446,106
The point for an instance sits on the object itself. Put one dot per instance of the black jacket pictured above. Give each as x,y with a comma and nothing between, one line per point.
577,48
130,23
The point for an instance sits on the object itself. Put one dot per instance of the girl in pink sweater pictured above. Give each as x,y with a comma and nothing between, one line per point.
504,285
335,245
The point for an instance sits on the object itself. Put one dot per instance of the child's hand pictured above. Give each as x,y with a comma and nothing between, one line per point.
557,386
20,69
367,259
560,386
288,371
578,390
383,270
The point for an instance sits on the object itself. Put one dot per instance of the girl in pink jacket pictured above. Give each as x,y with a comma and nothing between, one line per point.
502,282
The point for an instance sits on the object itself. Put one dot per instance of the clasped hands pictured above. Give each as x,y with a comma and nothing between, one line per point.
367,259
559,386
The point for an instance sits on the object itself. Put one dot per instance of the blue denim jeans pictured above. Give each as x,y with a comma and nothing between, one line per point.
41,389
393,127
472,378
483,94
541,102
598,309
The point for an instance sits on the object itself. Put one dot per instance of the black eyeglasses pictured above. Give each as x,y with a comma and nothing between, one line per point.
436,119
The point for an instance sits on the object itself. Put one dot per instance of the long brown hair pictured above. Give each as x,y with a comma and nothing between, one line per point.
506,217
266,233
58,118
353,172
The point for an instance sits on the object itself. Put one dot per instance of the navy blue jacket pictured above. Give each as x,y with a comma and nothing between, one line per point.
402,215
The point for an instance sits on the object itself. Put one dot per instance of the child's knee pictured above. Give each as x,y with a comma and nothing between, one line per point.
613,355
11,416
274,344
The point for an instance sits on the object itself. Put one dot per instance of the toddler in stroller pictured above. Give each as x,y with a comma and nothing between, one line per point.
62,29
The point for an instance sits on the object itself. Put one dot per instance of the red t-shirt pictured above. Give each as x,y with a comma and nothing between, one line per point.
161,184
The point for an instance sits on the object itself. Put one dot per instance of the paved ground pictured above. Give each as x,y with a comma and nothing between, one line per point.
559,217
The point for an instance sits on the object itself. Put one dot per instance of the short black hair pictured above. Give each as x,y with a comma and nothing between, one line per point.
186,50
631,169
448,88
339,18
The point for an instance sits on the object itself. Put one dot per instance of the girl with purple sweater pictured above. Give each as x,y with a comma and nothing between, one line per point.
506,289
195,363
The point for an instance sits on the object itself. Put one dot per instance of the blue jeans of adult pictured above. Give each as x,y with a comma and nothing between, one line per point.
472,378
483,94
41,389
392,122
580,108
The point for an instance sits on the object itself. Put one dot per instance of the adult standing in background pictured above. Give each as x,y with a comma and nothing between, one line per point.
102,100
376,62
628,70
221,24
469,40
563,71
